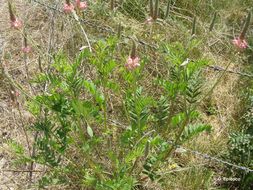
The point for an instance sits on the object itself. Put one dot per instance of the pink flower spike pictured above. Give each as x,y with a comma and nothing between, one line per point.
240,43
68,8
17,24
26,49
132,63
81,5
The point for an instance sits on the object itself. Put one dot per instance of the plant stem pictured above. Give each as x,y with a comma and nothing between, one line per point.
85,35
105,103
151,9
112,5
182,128
246,26
156,9
32,155
213,22
23,128
168,9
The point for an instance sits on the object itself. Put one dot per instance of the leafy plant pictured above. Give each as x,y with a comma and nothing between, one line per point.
75,137
241,148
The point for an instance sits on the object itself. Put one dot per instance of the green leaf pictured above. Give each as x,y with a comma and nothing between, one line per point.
177,119
91,87
89,131
134,154
194,130
108,68
113,85
162,111
85,109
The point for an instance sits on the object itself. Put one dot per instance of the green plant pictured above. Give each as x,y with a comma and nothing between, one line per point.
75,138
240,151
106,120
241,147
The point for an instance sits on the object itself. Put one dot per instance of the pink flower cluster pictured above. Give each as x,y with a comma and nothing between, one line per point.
16,23
132,63
81,5
69,7
26,49
240,43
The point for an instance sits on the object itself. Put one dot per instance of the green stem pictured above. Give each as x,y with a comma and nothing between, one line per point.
188,116
125,109
151,9
187,112
213,22
105,104
177,141
168,9
245,27
156,9
135,97
112,5
194,26
24,130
